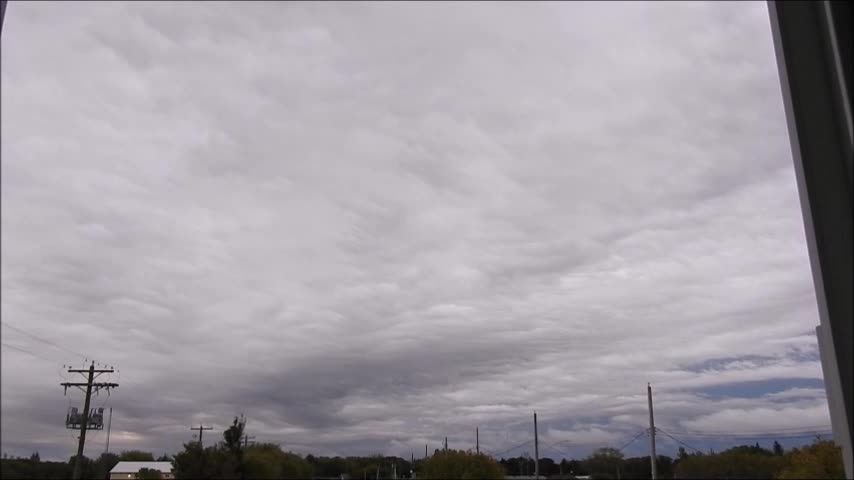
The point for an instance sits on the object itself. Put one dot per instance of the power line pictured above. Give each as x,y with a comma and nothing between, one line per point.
36,337
779,431
632,440
60,347
680,442
513,448
23,350
556,450
756,436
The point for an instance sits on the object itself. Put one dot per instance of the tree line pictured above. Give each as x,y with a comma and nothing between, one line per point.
231,458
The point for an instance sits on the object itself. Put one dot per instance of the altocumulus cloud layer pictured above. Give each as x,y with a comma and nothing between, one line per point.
370,226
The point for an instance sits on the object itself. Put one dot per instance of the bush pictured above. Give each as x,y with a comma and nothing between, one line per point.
459,464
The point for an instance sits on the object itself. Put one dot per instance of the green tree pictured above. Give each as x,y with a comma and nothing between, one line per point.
102,466
197,462
149,474
778,449
267,460
604,462
136,456
822,459
233,436
746,461
460,464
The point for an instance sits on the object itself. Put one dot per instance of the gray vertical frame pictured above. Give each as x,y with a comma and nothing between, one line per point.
812,41
2,14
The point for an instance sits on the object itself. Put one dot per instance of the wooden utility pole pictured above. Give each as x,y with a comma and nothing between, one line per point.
536,450
446,444
477,440
652,457
201,429
84,423
425,451
246,439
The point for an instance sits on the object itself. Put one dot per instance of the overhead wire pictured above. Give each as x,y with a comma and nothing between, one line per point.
758,435
57,346
557,450
680,442
633,439
513,448
782,431
43,340
28,352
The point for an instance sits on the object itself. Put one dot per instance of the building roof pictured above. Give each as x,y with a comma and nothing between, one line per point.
134,467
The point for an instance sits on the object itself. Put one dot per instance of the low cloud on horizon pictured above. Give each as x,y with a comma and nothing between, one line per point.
369,226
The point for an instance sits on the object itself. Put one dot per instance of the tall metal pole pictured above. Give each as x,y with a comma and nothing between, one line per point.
109,425
78,460
536,450
652,457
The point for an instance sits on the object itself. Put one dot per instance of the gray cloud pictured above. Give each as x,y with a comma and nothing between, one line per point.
369,226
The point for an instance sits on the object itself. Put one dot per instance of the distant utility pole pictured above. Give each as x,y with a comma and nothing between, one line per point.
201,429
477,440
652,456
425,451
84,420
446,444
536,450
246,439
109,425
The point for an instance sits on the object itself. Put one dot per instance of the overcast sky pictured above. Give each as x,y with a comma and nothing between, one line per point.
371,226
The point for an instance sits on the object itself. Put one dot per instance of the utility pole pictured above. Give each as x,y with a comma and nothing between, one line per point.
201,429
652,457
246,439
477,440
446,444
84,421
425,451
536,450
109,425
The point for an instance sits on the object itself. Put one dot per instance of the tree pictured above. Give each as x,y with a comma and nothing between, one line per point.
136,456
233,437
267,460
102,466
746,461
461,464
149,474
822,459
778,449
234,434
604,462
197,462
